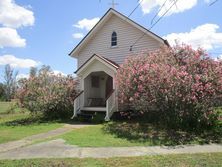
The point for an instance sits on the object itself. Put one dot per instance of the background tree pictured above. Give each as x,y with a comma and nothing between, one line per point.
2,92
10,82
33,72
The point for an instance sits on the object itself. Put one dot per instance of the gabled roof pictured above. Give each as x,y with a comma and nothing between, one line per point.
102,59
101,22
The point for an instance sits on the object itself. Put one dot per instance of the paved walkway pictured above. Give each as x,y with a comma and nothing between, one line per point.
42,136
58,149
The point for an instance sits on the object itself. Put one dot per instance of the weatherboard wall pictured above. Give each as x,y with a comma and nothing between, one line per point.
127,34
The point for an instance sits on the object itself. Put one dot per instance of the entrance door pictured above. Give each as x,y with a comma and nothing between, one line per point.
109,85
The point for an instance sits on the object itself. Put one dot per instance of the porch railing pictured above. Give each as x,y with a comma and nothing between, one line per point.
78,104
110,104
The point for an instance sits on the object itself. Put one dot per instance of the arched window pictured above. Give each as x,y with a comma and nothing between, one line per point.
114,39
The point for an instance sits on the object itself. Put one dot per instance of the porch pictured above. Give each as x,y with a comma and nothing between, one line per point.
98,91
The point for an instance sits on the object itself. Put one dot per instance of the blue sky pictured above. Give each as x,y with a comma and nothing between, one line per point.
37,32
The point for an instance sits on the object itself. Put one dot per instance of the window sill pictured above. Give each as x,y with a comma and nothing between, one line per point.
112,47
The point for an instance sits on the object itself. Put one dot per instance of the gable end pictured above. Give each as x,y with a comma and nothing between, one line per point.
106,17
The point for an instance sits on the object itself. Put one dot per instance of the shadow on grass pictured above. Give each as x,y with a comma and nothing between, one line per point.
33,120
157,135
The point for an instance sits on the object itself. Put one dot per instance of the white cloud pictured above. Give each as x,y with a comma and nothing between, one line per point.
181,5
10,38
87,23
78,35
21,76
56,72
217,58
13,15
204,36
220,57
18,62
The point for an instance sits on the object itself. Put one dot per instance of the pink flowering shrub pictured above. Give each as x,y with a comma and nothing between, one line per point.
48,93
180,84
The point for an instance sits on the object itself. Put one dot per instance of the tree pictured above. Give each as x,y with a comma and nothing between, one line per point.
33,72
10,82
2,91
180,85
49,94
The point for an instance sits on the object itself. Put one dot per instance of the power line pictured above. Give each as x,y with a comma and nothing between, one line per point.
158,11
175,4
163,14
155,23
212,3
140,1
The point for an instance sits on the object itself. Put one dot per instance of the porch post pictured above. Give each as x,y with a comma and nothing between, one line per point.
82,88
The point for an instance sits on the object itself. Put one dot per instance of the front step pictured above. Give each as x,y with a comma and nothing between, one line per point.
91,116
97,109
88,113
85,116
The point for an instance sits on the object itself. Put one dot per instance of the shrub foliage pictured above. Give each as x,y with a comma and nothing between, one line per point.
180,85
48,93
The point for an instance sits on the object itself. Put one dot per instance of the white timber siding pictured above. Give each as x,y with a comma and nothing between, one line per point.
127,34
96,66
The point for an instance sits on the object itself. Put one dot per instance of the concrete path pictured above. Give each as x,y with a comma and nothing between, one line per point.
58,149
42,136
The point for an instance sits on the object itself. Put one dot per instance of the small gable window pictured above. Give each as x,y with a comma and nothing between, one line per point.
114,39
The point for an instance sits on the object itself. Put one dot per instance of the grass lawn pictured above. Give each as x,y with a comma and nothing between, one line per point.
181,160
121,134
15,127
4,118
19,125
96,137
4,106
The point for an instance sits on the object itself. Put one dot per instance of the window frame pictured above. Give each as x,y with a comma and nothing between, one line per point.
114,39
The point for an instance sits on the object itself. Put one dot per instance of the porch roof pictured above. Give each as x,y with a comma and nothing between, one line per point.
102,59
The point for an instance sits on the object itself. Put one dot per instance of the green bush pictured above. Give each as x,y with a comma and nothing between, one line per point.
50,94
181,85
98,118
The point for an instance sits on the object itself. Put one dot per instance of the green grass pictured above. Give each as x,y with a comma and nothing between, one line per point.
5,106
12,133
139,133
121,134
4,118
95,137
17,126
10,108
181,160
